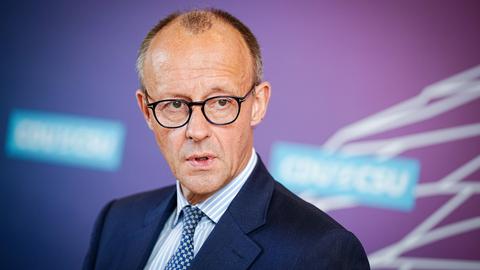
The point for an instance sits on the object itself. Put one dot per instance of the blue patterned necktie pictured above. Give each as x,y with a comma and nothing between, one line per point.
184,254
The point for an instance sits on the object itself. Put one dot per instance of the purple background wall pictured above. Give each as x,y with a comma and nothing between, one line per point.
337,62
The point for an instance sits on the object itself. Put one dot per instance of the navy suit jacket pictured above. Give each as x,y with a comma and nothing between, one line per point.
265,227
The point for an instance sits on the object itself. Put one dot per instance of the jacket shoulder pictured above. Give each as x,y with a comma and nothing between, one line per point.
317,239
134,207
296,210
118,218
298,235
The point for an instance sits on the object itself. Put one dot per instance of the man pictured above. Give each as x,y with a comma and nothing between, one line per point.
202,95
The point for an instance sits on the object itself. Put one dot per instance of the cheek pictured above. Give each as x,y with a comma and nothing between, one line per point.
234,142
169,143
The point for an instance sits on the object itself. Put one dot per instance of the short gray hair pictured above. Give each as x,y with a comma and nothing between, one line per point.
197,21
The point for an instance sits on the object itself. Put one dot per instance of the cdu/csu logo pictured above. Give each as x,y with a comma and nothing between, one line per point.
369,180
65,139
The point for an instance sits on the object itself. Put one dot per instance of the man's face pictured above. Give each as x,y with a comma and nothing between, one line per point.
202,156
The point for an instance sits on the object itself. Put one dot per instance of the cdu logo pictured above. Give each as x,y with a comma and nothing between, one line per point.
312,171
65,139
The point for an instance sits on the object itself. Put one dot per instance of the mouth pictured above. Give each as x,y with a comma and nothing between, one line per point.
201,161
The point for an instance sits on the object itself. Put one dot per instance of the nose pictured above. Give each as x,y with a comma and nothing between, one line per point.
198,128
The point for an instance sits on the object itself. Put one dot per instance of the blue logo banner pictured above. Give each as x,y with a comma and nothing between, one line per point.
369,180
65,139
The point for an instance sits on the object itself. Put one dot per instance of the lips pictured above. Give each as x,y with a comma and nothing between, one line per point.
201,161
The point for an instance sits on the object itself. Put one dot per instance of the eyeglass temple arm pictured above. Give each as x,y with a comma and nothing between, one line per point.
252,91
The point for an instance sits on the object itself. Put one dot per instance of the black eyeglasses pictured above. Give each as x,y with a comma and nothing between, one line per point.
218,110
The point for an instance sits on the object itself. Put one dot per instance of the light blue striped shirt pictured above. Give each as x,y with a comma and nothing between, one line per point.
213,207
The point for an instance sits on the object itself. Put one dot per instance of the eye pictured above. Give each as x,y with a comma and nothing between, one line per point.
176,104
222,102
172,106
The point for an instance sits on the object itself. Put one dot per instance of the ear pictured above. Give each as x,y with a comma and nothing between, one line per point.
142,105
260,103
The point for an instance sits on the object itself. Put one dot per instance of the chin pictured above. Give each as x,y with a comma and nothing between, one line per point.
202,184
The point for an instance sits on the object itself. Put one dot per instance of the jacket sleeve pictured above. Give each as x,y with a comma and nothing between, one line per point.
91,257
337,250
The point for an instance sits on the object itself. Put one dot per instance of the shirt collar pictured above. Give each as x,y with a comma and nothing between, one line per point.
214,206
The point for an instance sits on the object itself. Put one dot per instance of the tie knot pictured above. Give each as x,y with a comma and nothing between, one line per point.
192,214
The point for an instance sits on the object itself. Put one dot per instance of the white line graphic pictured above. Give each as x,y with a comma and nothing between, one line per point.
434,100
449,94
392,147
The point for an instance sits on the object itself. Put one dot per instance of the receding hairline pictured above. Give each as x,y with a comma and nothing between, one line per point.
215,25
180,24
197,22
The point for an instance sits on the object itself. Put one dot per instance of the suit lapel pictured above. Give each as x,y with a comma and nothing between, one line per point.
139,244
229,246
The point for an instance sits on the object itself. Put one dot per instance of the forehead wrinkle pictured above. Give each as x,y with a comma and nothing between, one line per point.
203,85
170,75
199,73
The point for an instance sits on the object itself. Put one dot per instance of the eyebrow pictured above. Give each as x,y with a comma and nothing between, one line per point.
221,91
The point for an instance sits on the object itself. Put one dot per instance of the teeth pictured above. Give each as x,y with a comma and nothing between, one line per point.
201,158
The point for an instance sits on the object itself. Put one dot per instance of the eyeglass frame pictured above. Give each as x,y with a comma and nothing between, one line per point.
190,104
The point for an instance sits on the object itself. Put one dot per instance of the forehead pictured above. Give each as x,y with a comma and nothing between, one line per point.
180,59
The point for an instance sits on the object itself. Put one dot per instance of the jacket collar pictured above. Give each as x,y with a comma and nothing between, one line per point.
215,206
229,246
249,208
